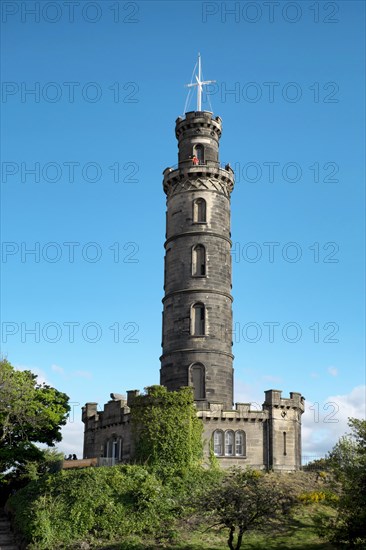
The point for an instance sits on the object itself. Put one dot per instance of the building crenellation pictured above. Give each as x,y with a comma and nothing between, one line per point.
198,321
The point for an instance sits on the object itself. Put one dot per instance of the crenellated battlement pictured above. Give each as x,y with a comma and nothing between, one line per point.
202,120
273,398
247,412
114,412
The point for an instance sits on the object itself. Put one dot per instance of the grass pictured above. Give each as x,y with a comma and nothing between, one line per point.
299,535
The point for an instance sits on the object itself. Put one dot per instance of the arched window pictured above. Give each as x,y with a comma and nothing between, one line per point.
198,380
229,443
218,442
198,319
240,443
198,260
199,152
199,211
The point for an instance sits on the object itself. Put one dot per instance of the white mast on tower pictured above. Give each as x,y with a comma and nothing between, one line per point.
199,84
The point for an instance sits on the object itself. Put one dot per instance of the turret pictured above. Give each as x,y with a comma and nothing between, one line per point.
283,431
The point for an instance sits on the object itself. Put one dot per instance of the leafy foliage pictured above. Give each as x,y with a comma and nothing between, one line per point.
320,465
129,507
318,496
29,413
60,510
167,432
247,499
348,459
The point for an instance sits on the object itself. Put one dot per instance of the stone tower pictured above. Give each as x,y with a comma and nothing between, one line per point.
197,321
197,312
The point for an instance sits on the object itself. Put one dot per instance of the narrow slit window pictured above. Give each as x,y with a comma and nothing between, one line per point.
199,152
199,211
284,443
198,380
198,320
199,261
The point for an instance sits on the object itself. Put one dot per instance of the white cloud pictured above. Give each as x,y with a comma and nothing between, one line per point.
72,437
333,371
248,393
324,423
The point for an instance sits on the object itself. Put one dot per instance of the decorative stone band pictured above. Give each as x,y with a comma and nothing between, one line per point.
199,178
198,233
195,350
202,290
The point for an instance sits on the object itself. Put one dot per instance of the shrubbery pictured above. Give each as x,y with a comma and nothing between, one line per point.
130,506
348,460
318,496
96,503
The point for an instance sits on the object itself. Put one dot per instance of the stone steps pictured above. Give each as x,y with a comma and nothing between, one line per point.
7,540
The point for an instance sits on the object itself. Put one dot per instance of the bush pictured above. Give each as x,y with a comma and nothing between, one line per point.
60,510
318,496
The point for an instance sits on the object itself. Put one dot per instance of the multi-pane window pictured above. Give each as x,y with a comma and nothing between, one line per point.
199,211
198,380
198,261
229,443
198,319
240,443
218,440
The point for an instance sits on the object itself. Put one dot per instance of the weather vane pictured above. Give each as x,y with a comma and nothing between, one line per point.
200,83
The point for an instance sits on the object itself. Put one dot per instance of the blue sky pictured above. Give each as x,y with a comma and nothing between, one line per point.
98,130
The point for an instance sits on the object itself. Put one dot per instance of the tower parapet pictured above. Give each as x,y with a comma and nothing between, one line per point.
198,136
273,398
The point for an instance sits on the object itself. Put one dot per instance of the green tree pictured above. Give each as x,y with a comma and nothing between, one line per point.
246,500
167,432
30,413
348,460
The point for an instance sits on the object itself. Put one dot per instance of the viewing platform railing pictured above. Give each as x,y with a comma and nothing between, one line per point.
201,163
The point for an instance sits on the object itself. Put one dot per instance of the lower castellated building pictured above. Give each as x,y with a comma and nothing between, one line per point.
197,322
